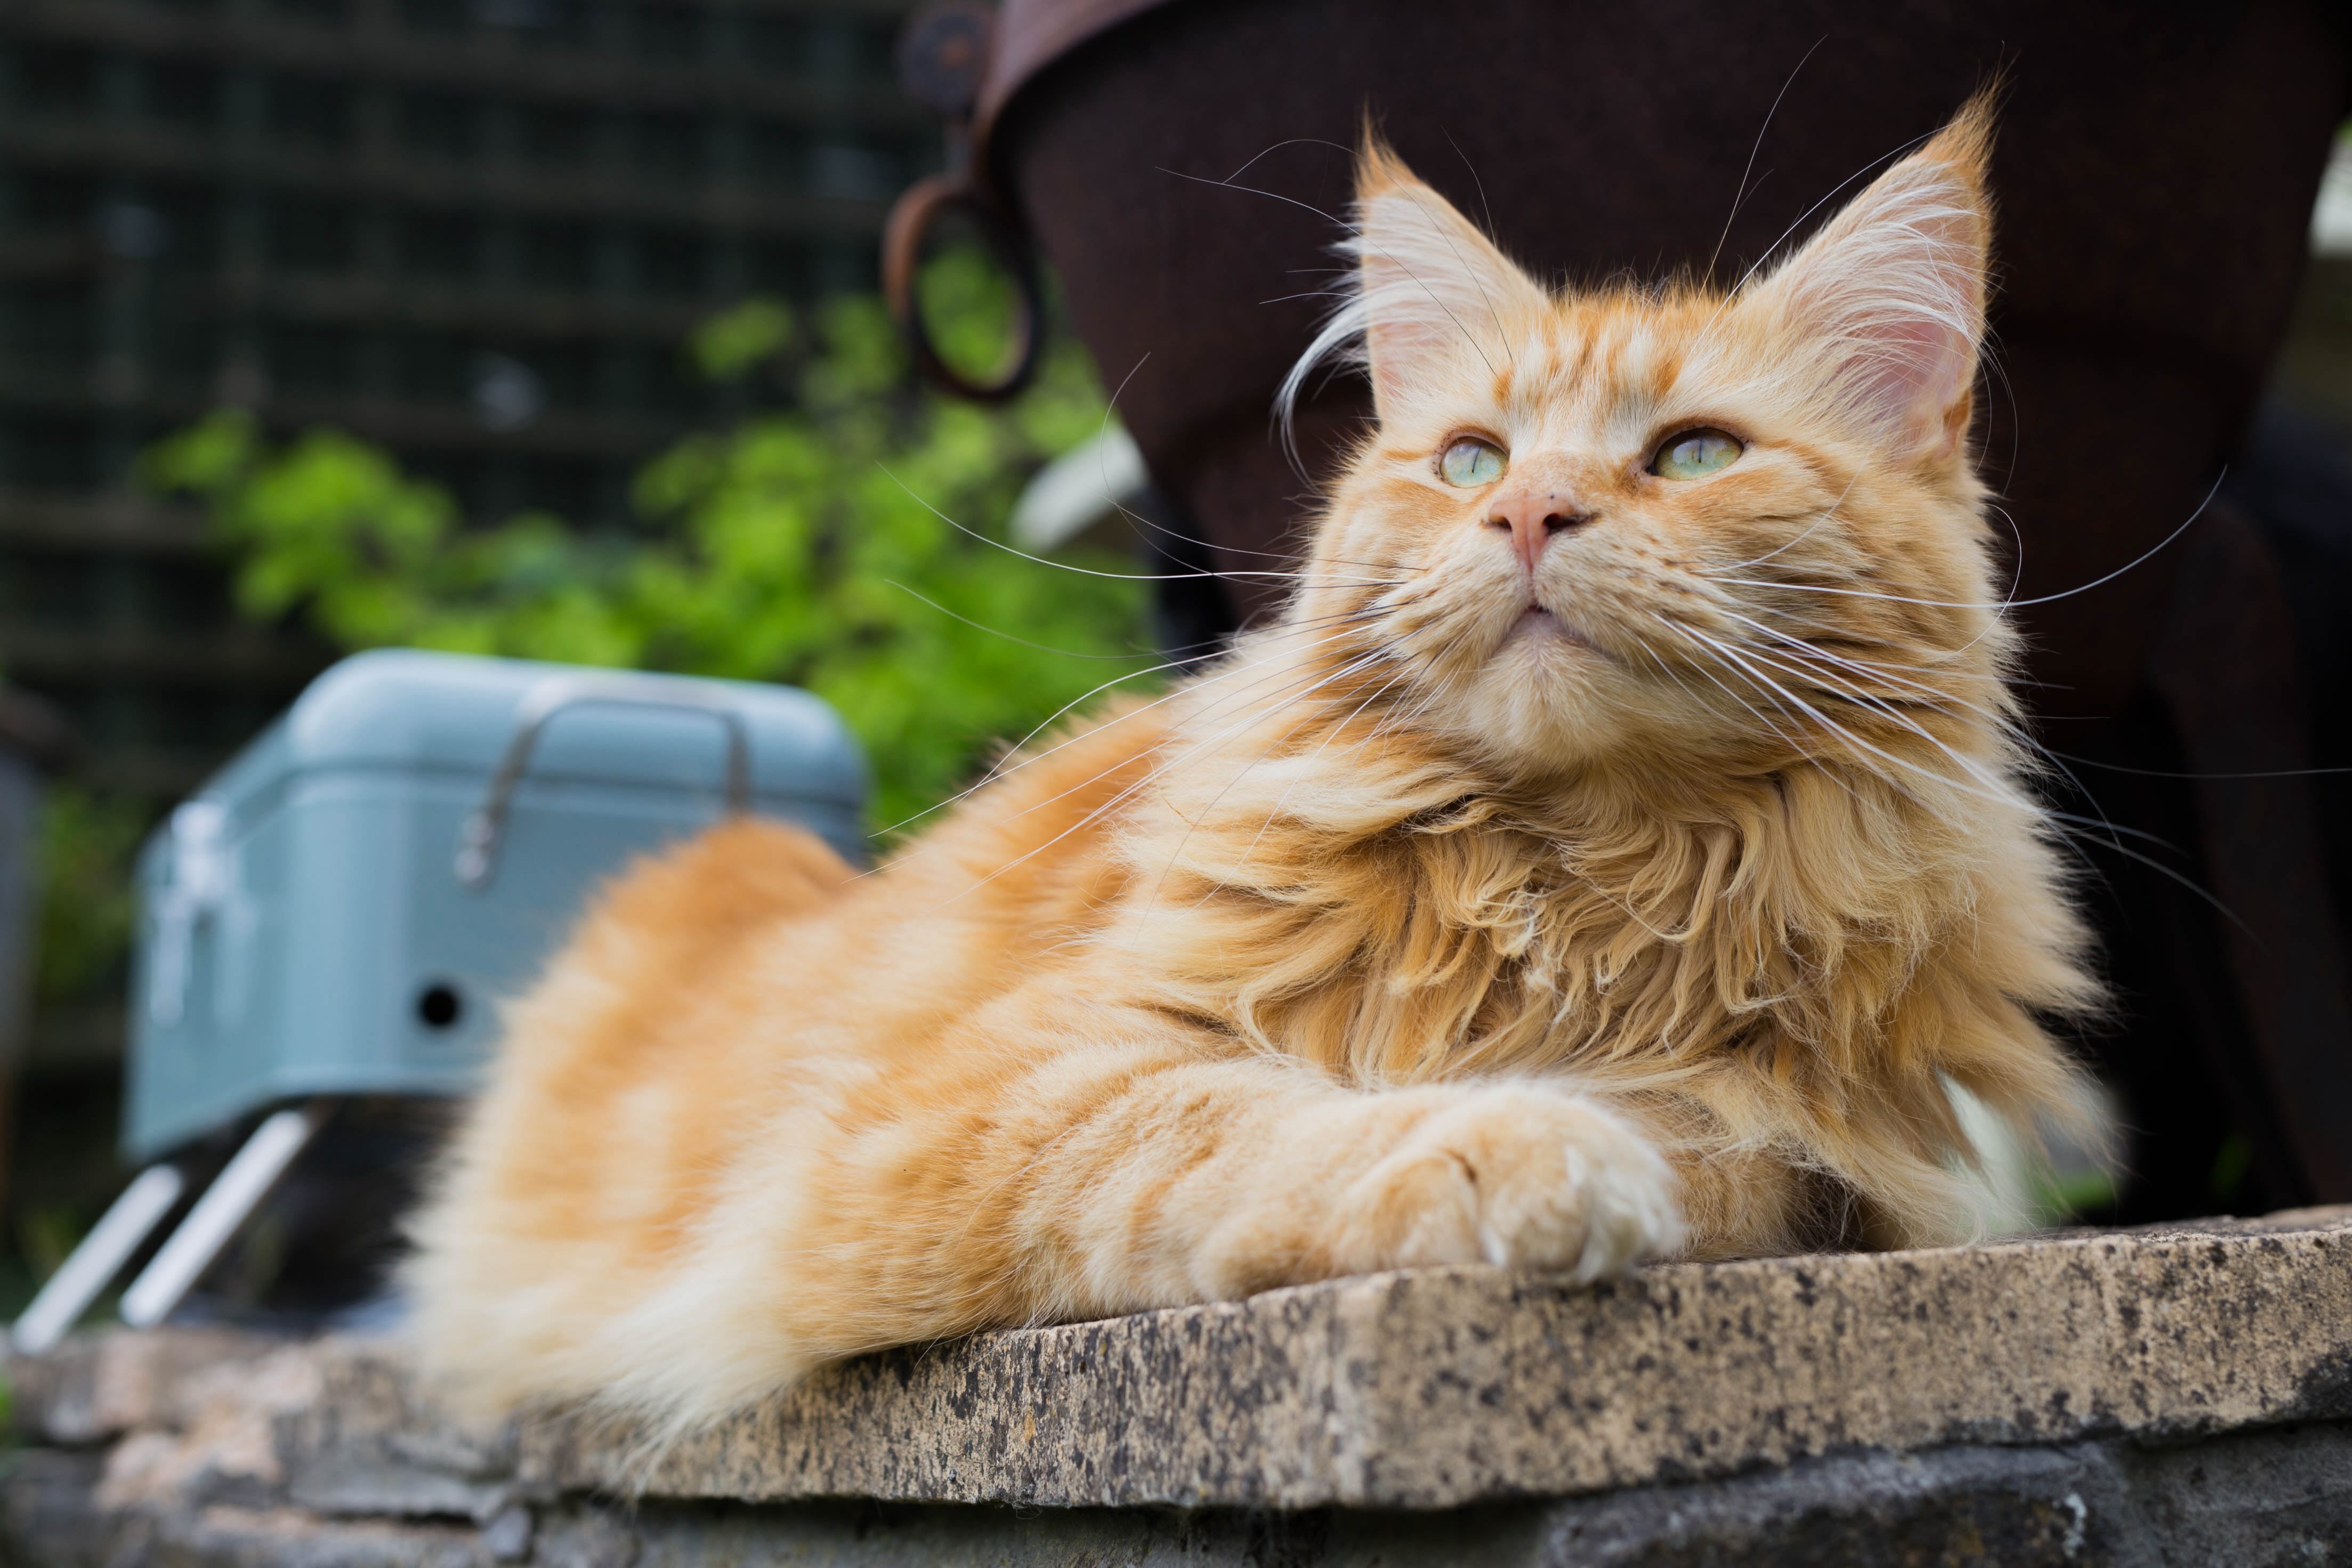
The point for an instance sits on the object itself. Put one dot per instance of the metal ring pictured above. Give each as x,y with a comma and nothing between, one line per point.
911,216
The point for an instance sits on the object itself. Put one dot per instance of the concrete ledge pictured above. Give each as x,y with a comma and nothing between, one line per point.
1978,1386
1441,1387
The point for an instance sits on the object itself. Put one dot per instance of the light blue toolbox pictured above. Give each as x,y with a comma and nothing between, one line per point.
341,909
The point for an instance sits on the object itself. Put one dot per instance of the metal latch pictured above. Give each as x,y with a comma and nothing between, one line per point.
204,878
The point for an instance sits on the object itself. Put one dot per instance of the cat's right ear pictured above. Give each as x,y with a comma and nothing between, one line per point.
1434,292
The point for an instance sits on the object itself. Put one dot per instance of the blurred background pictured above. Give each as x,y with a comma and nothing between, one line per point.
553,328
534,327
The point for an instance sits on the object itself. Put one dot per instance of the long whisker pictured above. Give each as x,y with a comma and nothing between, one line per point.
2003,795
1795,748
2015,731
921,846
1841,631
1817,523
1120,577
2162,774
1191,688
1008,636
2017,559
994,774
1747,665
1193,826
1830,687
1130,792
1740,196
1284,798
2002,605
1142,521
2003,724
1111,408
1357,230
1934,696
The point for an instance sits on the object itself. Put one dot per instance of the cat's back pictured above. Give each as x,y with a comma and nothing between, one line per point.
755,935
709,995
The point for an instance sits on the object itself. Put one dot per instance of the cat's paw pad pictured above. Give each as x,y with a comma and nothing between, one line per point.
1517,1175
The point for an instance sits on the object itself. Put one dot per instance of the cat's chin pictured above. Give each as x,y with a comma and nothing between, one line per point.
1545,702
1541,629
1550,701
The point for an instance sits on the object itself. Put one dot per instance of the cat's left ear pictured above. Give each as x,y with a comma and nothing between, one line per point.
1889,296
1433,292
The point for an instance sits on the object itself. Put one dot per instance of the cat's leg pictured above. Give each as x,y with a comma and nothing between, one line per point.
1315,1180
1046,1158
1136,1161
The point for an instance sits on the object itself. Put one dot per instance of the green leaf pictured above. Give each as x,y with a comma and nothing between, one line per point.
734,342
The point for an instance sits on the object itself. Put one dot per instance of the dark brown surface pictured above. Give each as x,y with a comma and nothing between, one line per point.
2155,173
2225,664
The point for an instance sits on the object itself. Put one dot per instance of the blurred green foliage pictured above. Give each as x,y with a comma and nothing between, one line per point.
84,851
973,311
810,543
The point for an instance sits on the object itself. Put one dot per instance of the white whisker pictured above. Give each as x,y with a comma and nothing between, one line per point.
2003,605
994,774
1121,576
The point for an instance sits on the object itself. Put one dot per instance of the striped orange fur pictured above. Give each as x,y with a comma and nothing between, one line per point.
1550,896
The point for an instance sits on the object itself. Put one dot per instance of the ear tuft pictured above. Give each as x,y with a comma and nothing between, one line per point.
1889,296
1429,290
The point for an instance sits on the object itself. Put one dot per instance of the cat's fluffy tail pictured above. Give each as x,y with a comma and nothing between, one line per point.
537,1229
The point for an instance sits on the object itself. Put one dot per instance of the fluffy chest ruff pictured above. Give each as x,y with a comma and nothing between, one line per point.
1799,963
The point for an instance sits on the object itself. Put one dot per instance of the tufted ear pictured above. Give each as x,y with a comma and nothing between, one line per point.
1887,301
1432,291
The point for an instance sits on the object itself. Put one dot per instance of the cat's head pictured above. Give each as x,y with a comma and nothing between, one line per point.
1671,524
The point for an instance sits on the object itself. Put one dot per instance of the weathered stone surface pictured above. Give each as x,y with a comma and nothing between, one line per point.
2272,1499
49,1518
2263,1500
94,1389
2147,1397
1446,1386
508,1536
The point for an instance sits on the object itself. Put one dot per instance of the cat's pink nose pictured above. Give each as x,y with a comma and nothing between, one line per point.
1532,519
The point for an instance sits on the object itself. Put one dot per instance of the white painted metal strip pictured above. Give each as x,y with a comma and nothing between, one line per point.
93,1264
226,1206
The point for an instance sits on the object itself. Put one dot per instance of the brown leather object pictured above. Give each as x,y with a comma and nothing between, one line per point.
2155,173
2224,663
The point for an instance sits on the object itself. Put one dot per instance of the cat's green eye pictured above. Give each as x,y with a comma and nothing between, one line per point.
1694,454
1470,463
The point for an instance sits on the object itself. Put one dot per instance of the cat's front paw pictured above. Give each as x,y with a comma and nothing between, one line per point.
1514,1175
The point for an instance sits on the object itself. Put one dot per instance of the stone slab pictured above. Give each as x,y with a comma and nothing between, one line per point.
1424,1391
1437,1388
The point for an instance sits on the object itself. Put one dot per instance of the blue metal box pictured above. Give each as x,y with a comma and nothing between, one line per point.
340,908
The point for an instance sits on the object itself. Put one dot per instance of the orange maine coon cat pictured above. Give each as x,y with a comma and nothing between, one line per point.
1620,849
